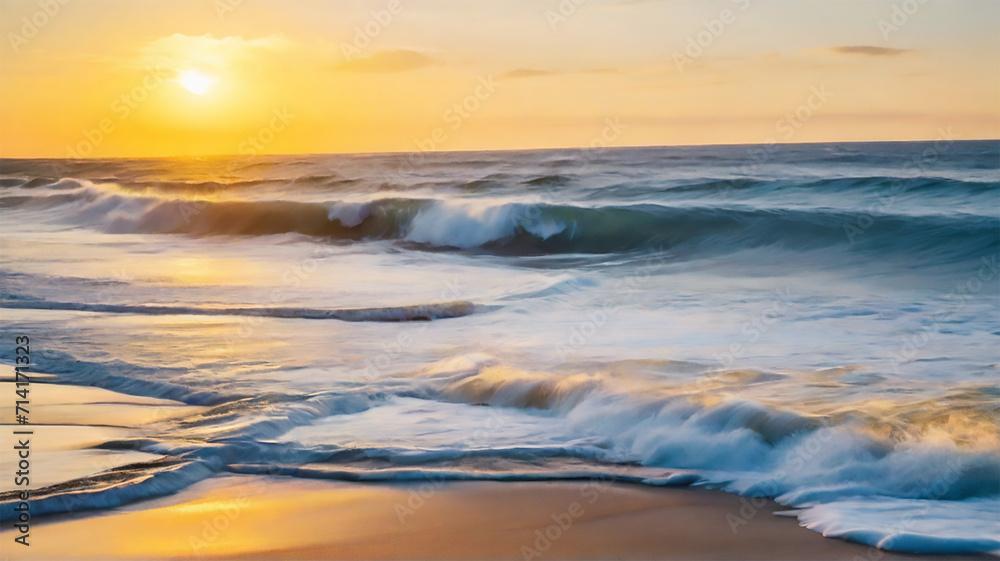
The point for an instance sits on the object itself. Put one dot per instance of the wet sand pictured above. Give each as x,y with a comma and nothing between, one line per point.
68,421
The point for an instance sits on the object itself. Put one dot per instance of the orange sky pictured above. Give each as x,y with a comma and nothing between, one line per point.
164,78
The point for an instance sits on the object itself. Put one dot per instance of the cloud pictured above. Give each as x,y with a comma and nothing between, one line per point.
535,73
625,4
868,50
211,53
526,73
383,62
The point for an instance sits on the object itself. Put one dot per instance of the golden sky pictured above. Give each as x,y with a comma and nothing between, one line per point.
164,78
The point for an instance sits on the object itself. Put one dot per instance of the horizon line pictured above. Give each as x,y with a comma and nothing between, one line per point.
484,150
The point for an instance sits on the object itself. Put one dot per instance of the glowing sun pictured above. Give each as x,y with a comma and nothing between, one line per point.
195,82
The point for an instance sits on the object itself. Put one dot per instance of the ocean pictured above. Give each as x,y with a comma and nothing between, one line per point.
816,323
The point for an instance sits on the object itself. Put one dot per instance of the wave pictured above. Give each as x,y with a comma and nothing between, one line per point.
503,183
873,186
554,180
419,312
124,377
396,475
520,228
114,488
828,468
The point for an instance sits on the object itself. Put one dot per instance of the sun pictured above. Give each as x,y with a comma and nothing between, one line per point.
195,82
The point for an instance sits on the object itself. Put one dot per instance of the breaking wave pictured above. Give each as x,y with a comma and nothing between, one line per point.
519,228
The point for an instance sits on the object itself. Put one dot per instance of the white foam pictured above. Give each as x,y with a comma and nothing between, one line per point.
466,224
349,214
913,526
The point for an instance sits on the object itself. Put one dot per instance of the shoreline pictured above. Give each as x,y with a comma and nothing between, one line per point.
255,517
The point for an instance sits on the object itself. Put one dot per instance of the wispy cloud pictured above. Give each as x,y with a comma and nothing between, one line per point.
526,73
212,53
868,50
536,73
400,60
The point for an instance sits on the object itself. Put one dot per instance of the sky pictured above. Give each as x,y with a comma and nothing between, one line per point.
129,78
